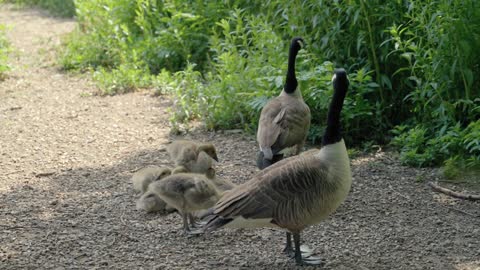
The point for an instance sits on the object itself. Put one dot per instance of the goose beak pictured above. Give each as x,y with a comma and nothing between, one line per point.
301,43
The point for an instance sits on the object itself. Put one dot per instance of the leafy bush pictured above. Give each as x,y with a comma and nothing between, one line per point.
245,76
454,143
159,34
438,43
413,64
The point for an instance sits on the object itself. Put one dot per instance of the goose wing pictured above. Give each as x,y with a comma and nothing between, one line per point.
284,194
284,122
271,124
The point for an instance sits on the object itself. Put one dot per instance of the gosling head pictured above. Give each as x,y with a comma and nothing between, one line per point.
179,169
164,172
209,149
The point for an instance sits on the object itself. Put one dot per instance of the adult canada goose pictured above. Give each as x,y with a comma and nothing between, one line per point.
284,120
296,192
187,192
143,177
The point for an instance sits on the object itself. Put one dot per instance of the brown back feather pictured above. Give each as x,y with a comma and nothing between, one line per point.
284,122
281,191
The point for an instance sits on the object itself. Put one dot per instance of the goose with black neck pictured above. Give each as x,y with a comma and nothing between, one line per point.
296,192
284,120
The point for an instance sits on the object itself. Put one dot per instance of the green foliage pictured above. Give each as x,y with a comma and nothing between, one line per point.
438,43
243,75
413,64
4,50
190,97
425,146
157,34
124,78
63,8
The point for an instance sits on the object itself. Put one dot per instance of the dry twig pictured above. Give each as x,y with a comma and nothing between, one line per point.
453,193
43,174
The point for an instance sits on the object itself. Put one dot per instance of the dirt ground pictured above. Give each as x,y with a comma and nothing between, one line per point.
66,201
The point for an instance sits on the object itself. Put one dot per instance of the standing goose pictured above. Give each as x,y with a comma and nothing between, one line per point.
285,120
296,192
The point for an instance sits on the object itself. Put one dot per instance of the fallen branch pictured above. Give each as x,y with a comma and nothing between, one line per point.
43,174
454,193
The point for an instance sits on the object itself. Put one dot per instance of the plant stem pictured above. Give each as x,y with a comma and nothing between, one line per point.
372,48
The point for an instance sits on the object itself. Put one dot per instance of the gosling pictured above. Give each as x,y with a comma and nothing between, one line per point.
143,177
187,155
188,193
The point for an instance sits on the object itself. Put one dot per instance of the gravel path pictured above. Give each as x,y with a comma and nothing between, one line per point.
66,202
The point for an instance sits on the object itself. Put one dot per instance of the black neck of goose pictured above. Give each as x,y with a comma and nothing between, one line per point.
333,132
291,81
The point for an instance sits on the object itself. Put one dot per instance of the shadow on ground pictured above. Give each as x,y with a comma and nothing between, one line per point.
86,217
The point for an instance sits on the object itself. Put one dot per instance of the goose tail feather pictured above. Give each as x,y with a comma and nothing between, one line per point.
213,221
263,162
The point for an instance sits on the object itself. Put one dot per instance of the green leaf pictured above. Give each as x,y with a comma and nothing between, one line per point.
468,77
386,81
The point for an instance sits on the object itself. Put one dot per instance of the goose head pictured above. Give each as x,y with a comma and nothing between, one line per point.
297,43
209,149
164,172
